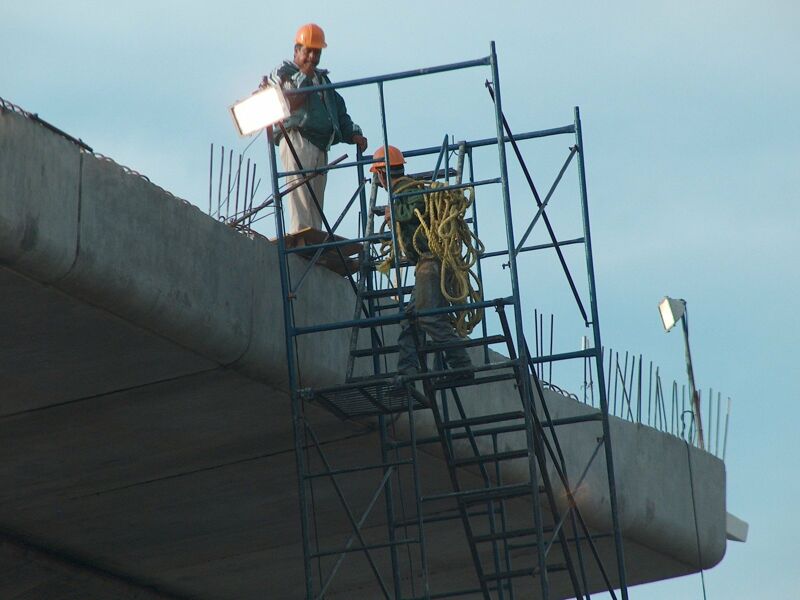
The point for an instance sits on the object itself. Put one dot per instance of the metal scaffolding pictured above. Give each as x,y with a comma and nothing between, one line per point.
517,536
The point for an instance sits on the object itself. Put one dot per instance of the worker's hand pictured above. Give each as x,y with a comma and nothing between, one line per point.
360,141
387,213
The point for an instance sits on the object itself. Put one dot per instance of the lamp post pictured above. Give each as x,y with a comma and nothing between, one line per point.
672,311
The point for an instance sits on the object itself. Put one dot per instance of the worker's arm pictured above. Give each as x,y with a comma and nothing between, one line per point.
350,131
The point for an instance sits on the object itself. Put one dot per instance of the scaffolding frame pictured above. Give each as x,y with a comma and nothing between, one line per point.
375,396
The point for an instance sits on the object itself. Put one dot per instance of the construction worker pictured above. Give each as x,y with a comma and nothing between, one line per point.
427,291
317,121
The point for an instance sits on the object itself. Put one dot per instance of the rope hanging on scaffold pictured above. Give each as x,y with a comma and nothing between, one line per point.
449,239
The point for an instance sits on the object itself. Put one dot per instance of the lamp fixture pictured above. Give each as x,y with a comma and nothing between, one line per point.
260,110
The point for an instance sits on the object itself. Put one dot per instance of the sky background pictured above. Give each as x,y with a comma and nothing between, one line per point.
692,146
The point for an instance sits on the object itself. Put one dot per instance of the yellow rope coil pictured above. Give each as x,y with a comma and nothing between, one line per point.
450,240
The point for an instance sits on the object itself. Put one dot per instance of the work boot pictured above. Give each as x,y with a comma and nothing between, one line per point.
401,380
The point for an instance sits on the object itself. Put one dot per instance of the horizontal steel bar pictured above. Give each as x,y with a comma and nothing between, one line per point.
396,318
484,419
447,375
518,137
461,435
593,416
492,493
371,467
445,188
441,517
570,540
588,353
498,457
428,348
402,542
368,160
378,237
466,64
510,574
579,240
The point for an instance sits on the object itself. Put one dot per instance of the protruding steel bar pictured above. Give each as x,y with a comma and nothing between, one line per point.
238,181
246,189
210,175
221,171
228,192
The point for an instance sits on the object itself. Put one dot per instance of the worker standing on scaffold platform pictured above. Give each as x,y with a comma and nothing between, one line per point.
431,289
317,121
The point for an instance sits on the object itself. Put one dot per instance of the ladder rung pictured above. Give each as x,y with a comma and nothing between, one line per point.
509,574
501,493
475,460
439,518
484,420
522,572
506,535
453,383
475,496
401,542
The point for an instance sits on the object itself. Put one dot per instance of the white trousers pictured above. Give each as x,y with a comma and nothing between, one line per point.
303,211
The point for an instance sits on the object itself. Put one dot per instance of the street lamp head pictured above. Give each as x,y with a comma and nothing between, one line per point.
260,110
671,311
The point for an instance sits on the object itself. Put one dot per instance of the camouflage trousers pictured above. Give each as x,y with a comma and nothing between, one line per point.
427,294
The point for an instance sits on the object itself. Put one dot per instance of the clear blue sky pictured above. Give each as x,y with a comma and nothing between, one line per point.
692,145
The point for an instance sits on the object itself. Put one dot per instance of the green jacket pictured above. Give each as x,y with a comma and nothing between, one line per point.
322,118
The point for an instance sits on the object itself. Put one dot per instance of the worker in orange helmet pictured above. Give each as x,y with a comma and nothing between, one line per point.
317,121
427,293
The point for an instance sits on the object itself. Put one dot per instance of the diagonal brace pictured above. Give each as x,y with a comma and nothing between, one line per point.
539,203
572,151
356,525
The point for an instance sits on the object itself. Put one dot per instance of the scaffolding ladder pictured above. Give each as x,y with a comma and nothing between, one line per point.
508,558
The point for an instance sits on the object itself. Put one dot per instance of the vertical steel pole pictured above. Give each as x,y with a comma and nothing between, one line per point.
288,330
484,328
389,191
524,383
690,372
612,485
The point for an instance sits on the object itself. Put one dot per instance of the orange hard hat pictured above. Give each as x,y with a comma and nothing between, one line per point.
311,35
396,158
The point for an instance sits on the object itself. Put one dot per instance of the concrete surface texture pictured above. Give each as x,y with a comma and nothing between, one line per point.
145,431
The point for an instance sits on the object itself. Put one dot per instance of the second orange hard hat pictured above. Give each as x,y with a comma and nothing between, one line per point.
310,35
396,158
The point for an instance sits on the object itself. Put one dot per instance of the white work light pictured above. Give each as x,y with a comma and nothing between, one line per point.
260,110
671,311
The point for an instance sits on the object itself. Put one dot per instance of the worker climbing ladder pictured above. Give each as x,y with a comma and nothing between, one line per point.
522,537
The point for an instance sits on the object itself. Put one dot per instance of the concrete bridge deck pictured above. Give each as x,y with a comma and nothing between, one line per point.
145,433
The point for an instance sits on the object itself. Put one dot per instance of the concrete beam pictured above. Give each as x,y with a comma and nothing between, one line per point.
145,398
